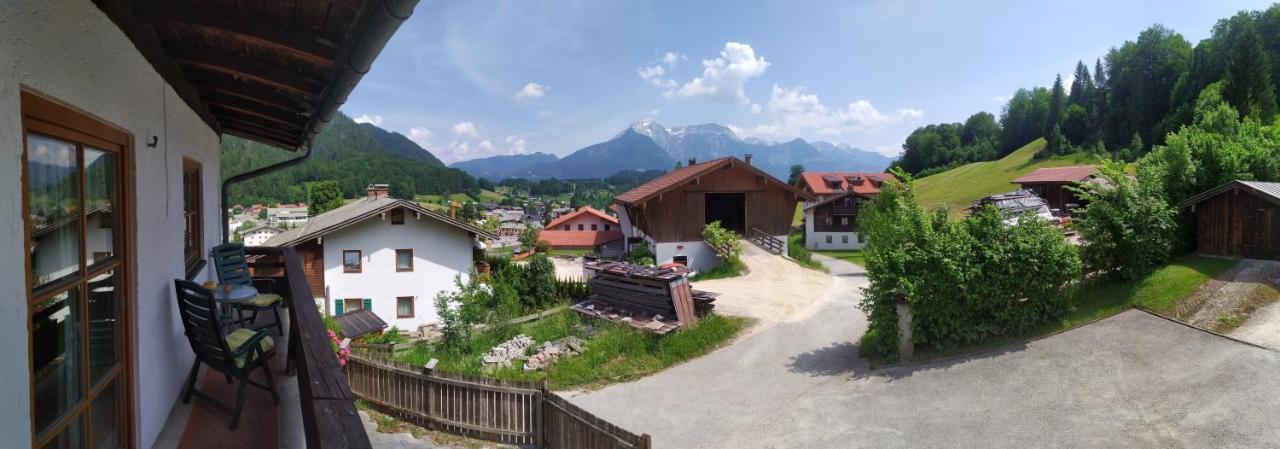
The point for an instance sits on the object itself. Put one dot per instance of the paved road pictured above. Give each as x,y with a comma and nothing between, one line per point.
1132,380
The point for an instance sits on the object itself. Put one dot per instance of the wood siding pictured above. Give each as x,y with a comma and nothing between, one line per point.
313,266
835,212
1238,223
1055,195
679,215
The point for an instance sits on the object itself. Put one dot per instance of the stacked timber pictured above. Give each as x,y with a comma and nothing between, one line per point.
658,299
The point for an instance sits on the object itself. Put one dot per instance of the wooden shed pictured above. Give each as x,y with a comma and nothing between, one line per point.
670,211
1051,184
1238,219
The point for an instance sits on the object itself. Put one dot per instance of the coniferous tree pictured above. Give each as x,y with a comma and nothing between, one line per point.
1057,106
1081,86
1248,74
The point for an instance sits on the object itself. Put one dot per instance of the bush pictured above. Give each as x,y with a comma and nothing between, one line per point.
539,282
966,280
723,241
1127,229
387,336
641,255
460,310
797,251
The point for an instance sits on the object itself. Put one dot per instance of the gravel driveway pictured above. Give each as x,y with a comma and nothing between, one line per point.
1132,380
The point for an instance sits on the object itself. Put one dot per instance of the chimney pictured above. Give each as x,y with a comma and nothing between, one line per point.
693,161
375,191
747,158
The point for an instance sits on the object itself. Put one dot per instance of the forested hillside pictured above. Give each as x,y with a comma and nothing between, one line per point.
348,153
1130,100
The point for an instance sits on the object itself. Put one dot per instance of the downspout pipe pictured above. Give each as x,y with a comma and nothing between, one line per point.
374,27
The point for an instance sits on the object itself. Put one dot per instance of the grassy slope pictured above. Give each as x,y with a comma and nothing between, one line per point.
852,256
956,188
491,196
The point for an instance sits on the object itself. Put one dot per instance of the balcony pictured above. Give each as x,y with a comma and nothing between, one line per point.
317,408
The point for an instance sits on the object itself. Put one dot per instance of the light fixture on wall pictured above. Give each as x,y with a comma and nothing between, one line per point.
155,140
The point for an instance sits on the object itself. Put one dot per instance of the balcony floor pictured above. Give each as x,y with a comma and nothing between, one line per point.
197,425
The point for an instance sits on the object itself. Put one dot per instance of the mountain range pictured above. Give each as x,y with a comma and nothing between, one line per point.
647,145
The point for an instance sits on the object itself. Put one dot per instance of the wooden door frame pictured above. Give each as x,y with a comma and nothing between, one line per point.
54,118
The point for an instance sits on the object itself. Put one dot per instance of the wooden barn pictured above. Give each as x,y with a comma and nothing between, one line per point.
1051,184
669,212
1238,219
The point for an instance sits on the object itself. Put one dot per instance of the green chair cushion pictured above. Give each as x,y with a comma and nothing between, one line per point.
264,300
240,336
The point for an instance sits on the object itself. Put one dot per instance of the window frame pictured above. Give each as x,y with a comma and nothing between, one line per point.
50,118
359,268
346,305
828,239
580,228
412,308
193,258
397,216
397,262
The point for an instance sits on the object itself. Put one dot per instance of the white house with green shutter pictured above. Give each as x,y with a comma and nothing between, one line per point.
388,255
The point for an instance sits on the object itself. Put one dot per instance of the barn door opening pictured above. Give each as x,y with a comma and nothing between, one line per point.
730,209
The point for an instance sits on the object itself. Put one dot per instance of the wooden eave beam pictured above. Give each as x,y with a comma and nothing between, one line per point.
250,126
213,97
225,108
251,32
250,135
245,69
145,40
251,91
291,106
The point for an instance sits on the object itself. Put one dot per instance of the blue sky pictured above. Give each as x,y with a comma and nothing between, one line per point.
475,78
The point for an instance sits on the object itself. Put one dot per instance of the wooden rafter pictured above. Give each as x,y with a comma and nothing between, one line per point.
252,32
245,69
221,109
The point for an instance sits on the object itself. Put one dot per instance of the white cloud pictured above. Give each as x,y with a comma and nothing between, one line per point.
795,111
484,147
420,135
671,58
654,75
465,129
755,108
376,120
515,145
724,77
1001,99
532,90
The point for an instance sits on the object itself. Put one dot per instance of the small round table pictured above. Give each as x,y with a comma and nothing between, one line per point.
229,299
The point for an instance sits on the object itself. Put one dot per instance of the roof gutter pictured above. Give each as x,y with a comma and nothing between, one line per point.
374,27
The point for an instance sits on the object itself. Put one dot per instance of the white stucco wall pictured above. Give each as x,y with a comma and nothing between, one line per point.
818,240
701,257
258,237
70,52
586,220
440,252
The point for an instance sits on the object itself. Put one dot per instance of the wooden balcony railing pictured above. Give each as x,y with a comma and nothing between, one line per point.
329,414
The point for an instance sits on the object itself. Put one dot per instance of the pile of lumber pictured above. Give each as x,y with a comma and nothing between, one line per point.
658,299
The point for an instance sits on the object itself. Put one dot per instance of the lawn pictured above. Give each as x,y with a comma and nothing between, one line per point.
491,196
852,256
1160,291
553,252
614,353
1099,298
955,189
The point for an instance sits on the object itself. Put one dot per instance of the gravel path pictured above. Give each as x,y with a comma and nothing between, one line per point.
1262,327
1131,380
773,290
1229,292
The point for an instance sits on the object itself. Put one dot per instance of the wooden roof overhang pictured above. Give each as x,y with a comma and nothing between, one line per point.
273,72
693,174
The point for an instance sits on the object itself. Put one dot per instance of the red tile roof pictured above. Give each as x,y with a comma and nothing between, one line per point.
1074,173
820,182
575,214
577,239
680,176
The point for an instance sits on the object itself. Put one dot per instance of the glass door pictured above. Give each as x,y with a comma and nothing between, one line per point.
76,277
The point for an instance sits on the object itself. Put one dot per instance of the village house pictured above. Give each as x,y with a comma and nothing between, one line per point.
824,184
389,255
1238,219
111,114
831,221
669,212
291,215
259,235
1051,184
584,228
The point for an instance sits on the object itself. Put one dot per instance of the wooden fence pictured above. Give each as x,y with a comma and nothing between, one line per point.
511,412
768,242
